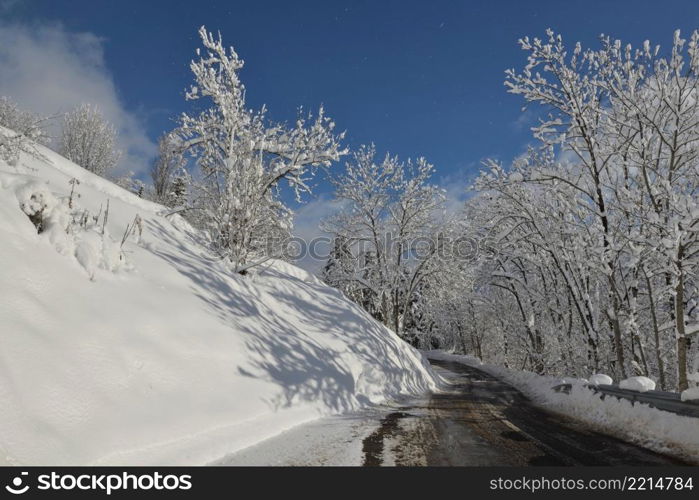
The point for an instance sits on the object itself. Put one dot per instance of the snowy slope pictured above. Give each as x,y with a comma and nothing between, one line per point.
154,353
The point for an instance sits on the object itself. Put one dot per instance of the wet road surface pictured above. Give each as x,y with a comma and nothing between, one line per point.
483,421
477,420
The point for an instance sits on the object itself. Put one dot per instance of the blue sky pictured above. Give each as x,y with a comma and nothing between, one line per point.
416,78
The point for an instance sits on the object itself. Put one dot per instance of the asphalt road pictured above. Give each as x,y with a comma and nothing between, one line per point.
483,421
478,420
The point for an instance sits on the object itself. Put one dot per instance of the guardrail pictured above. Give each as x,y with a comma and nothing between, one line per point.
661,400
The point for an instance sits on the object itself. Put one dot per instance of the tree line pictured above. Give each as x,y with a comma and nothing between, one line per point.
580,257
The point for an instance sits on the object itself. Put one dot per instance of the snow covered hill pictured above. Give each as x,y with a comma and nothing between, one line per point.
150,351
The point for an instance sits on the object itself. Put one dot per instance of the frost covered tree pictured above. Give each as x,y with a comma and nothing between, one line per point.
167,171
23,128
89,140
587,245
243,160
388,233
592,248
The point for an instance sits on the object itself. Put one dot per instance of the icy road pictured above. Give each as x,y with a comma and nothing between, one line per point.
479,421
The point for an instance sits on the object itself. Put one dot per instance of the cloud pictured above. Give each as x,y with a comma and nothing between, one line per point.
8,5
49,70
457,186
307,221
527,119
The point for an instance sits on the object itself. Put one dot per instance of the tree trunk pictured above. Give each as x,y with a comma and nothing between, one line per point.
656,333
682,343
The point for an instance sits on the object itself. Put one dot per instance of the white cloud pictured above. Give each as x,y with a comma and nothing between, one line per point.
49,70
527,119
457,186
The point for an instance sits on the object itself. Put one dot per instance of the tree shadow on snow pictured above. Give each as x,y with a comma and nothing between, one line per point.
276,312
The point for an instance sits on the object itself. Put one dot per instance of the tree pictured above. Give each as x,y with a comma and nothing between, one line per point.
167,169
390,228
89,140
593,247
23,130
243,159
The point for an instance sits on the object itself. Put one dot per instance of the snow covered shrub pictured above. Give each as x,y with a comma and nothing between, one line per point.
34,208
89,140
74,231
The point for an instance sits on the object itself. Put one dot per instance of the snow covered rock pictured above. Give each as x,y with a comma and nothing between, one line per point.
601,379
639,384
691,394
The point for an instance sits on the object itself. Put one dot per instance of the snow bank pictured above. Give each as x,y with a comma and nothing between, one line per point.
655,429
150,351
639,384
601,379
573,380
691,394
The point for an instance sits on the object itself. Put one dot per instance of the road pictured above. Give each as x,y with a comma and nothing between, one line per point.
479,420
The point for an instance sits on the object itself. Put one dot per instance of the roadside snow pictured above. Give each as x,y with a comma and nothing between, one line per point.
601,379
152,352
691,394
639,384
655,429
573,380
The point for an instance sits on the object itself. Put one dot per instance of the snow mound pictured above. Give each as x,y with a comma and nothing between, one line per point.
601,379
573,381
145,349
691,394
639,384
71,230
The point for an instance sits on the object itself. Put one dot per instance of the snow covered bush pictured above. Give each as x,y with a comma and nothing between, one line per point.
243,160
74,231
89,140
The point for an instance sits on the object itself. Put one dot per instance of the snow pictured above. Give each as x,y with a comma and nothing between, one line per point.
573,381
332,441
638,423
153,352
691,394
601,379
639,384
